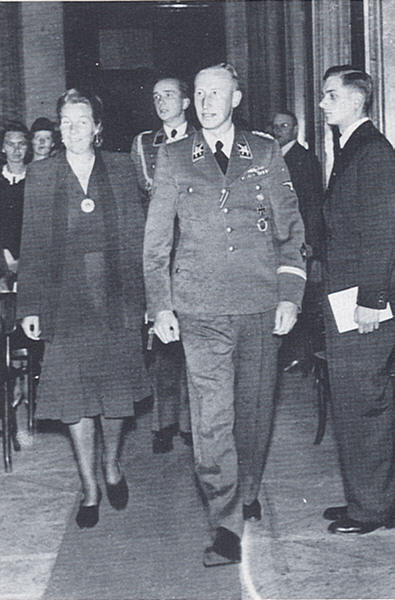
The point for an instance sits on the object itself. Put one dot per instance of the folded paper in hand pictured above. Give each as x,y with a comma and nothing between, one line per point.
343,305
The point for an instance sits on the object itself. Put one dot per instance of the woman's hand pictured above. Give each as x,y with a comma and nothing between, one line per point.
31,327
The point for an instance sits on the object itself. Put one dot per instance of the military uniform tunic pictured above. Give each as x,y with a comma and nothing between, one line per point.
238,255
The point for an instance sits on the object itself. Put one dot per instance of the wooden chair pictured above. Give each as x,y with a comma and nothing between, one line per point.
8,374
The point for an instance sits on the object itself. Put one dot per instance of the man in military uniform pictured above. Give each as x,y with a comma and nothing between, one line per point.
359,212
166,363
237,277
306,176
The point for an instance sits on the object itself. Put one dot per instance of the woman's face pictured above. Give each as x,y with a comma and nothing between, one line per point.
77,127
15,147
42,142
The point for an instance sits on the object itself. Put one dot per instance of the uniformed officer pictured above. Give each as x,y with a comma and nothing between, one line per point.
237,277
305,172
167,363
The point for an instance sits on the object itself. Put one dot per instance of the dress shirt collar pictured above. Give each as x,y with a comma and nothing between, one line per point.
226,138
181,131
287,147
12,177
345,136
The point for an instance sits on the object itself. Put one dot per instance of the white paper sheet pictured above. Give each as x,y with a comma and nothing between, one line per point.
343,305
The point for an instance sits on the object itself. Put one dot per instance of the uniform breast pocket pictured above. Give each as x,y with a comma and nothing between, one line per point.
194,203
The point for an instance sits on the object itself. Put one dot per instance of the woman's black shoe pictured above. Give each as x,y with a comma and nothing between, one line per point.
118,493
88,516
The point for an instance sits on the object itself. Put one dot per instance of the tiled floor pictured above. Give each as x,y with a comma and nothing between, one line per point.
289,554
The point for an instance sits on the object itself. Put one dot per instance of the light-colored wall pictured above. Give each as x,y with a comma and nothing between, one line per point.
43,58
331,46
388,8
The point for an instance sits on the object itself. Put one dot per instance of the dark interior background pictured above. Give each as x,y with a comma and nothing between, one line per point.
177,38
182,42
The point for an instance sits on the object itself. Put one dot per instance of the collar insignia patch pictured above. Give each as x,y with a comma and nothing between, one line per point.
159,139
198,152
244,150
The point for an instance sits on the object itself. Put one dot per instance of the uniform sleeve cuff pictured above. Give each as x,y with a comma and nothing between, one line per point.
291,286
373,298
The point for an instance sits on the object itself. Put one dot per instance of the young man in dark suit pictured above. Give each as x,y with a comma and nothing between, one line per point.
359,212
237,277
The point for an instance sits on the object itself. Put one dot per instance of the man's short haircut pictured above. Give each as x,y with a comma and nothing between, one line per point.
353,77
225,67
289,113
182,85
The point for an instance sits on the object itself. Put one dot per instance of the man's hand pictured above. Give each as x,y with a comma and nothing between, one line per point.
31,327
166,326
286,315
366,318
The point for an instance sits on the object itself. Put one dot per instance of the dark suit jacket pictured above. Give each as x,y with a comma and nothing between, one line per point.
306,176
224,263
359,213
42,182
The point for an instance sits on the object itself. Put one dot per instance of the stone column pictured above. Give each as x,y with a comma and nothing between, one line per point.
388,21
296,62
11,85
237,46
379,18
43,58
331,46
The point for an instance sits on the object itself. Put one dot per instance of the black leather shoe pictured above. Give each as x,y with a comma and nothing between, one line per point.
88,516
118,493
335,513
252,512
226,549
187,438
348,525
163,440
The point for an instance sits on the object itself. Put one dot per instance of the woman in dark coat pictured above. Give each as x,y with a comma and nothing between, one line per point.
80,288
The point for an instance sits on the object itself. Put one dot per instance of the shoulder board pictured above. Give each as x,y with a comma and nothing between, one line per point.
263,134
140,135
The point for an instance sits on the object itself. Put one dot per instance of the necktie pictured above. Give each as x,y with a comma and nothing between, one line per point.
173,133
221,157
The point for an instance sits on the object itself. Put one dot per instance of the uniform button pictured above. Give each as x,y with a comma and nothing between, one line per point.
226,210
258,187
229,229
231,248
153,166
260,197
190,190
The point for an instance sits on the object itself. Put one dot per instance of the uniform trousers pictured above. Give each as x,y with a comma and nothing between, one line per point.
231,369
363,417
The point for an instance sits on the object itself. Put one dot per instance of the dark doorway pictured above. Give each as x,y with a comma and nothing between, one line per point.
118,49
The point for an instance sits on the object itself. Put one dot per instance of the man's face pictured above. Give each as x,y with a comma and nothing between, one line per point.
215,98
15,146
284,129
341,103
168,101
